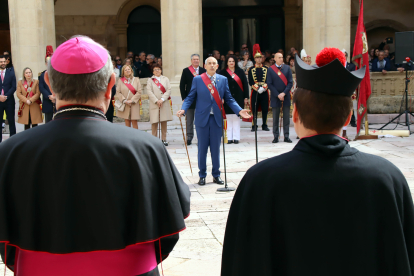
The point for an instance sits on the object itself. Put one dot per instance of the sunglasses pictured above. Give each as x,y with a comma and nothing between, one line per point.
118,60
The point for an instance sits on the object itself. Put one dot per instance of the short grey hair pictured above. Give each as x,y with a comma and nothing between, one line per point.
210,57
151,56
80,87
195,55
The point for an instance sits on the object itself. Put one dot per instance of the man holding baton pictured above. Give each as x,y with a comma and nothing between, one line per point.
209,90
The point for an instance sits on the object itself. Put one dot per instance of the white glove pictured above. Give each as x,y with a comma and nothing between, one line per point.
261,90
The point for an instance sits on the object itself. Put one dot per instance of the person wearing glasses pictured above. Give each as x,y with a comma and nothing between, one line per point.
118,62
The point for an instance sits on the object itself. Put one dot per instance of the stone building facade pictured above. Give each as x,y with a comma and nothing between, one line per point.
309,24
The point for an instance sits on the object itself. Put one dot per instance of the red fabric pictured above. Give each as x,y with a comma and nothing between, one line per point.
214,92
130,87
361,59
327,55
49,51
160,86
192,70
236,78
281,76
133,260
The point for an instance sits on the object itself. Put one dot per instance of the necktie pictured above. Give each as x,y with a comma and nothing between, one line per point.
212,99
2,80
197,71
381,64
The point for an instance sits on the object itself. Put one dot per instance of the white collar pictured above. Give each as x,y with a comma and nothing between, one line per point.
196,68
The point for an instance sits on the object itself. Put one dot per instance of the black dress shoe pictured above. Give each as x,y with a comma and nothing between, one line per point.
218,180
353,124
165,143
265,128
275,140
236,141
287,140
253,129
188,142
230,142
202,181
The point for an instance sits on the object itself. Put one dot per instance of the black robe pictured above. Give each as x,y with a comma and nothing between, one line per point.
322,209
238,94
81,184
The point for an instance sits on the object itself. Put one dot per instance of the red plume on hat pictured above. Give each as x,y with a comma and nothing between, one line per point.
327,55
256,51
49,51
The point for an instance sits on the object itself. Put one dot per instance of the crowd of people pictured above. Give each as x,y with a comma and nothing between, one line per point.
382,60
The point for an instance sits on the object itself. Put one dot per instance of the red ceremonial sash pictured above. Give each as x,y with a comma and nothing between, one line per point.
236,78
160,86
214,92
193,71
280,74
130,87
28,94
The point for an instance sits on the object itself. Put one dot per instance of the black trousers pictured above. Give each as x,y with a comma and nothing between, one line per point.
353,121
48,117
263,102
286,121
10,118
189,118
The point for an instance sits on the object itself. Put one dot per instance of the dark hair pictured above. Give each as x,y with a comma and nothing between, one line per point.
227,60
291,59
3,56
324,113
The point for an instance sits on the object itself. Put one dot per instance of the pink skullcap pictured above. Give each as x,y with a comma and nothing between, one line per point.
79,55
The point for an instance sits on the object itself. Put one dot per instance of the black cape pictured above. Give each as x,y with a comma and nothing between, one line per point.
81,184
322,209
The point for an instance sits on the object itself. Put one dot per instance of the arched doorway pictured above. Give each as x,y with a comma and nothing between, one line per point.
144,30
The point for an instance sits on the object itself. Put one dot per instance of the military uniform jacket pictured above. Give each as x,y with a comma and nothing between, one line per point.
322,209
257,78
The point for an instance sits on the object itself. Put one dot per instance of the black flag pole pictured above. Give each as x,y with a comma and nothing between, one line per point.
225,188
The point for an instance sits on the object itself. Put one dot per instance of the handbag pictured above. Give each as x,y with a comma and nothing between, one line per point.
120,106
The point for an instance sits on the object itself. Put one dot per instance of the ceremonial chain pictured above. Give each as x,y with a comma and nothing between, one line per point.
80,108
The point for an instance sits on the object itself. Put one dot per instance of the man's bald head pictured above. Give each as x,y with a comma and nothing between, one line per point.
279,59
211,65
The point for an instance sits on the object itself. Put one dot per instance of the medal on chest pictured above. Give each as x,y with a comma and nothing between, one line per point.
233,75
125,81
195,74
279,73
211,88
25,86
29,89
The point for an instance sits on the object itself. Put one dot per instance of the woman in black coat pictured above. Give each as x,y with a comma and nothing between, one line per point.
239,89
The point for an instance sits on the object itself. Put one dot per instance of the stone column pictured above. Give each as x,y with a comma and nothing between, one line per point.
291,30
326,23
121,30
32,28
181,28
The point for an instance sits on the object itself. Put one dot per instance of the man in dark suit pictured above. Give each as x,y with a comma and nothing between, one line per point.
381,64
279,81
350,67
8,87
49,99
208,90
189,73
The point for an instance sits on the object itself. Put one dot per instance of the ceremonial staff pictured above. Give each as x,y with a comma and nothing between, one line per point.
255,129
159,122
185,143
226,188
280,121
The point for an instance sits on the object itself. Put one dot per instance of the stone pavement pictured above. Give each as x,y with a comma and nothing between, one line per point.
198,251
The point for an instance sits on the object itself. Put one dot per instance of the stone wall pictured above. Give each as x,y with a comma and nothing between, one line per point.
98,27
387,92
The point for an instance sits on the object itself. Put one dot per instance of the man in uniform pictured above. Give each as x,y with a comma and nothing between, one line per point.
112,200
48,104
189,73
257,80
279,80
208,91
324,208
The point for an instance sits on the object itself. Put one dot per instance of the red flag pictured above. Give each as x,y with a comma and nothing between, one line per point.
360,58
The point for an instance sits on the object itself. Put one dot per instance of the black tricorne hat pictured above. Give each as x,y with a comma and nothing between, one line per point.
332,78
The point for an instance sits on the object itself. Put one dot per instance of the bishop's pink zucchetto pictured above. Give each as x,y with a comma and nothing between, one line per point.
79,55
